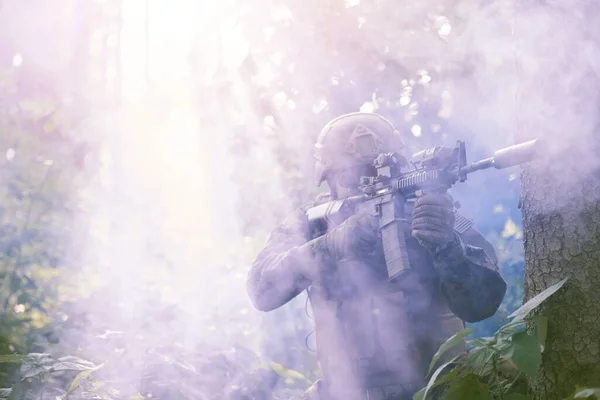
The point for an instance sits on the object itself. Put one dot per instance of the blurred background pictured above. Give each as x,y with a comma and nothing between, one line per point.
148,147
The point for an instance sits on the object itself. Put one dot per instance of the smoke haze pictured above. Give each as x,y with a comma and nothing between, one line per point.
194,173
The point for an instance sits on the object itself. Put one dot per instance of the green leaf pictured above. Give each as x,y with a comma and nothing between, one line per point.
470,387
35,364
79,378
508,330
480,356
11,358
585,393
38,358
72,363
477,342
526,308
454,340
31,371
502,345
4,393
525,352
287,373
420,395
541,329
433,382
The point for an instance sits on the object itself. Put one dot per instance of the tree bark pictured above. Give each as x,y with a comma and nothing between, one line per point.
558,243
558,101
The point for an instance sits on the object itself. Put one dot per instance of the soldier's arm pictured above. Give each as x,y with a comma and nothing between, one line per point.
283,268
469,276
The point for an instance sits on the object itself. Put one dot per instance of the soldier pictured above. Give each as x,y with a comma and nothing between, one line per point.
375,339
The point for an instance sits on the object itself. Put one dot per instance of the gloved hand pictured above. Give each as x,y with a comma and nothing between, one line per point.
433,220
356,238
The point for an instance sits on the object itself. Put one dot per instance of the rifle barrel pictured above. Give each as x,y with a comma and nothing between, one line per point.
507,157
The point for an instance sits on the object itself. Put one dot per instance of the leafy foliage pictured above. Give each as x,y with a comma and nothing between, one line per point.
42,170
168,372
45,162
522,312
495,367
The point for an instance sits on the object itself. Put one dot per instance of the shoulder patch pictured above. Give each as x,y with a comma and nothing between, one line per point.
462,223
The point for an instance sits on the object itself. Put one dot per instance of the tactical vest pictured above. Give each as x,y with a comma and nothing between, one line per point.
372,334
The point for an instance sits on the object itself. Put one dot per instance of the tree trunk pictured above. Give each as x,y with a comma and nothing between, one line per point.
560,242
558,101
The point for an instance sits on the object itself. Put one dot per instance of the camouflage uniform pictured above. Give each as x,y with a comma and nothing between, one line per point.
375,339
371,333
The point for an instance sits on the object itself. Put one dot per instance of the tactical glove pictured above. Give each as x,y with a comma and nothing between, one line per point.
433,221
356,238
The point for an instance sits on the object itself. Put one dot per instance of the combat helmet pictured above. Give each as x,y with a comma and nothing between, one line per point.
354,140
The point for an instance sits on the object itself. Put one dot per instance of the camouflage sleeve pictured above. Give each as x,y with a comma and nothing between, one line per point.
470,279
282,268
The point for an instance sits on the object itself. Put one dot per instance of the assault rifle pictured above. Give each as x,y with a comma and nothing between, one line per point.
385,195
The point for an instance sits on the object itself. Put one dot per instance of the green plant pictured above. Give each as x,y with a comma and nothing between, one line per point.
495,367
